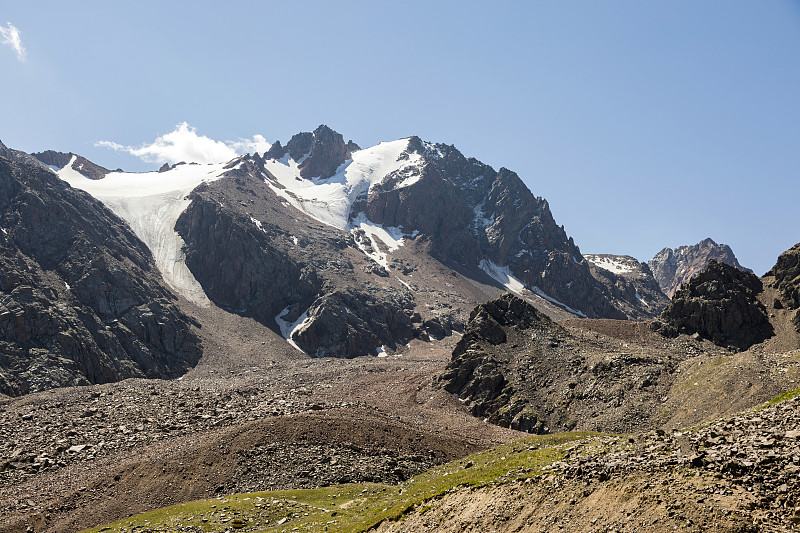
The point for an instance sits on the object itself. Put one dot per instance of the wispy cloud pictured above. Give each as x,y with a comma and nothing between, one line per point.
11,38
185,145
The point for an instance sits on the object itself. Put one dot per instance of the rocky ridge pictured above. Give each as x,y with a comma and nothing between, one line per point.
718,304
79,163
631,282
80,298
674,267
516,368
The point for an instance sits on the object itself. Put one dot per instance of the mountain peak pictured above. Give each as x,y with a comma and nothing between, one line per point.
674,267
318,153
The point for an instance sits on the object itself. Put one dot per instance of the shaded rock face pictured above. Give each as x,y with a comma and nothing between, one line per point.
348,323
787,280
673,268
470,212
283,267
81,164
237,263
720,305
631,284
80,298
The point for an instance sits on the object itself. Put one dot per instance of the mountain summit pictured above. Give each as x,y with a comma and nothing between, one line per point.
674,267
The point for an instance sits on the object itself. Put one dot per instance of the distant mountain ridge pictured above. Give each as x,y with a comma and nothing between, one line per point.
674,267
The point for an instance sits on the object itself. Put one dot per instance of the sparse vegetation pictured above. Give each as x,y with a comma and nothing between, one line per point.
354,507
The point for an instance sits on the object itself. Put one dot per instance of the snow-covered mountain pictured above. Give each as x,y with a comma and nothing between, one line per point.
349,251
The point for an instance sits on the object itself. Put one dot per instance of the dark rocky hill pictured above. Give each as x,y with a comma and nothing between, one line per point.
517,368
674,267
80,298
718,304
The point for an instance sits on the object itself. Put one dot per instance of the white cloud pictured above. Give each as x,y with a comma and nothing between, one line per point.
185,145
11,37
250,146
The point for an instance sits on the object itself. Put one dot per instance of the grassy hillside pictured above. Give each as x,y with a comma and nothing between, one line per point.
353,507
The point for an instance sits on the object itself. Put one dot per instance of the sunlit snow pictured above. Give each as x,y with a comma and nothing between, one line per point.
288,328
502,275
330,200
609,263
151,203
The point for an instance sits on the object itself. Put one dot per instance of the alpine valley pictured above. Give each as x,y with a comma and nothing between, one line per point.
324,337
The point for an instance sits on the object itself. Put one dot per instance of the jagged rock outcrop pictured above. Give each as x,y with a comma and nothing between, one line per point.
319,152
348,323
673,268
80,298
238,264
280,270
478,376
80,164
786,274
718,304
631,283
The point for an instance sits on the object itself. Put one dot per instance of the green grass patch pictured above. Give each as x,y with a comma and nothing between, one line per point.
354,507
788,395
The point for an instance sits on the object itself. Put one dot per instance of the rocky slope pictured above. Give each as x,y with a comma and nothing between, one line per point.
516,368
736,474
718,304
674,267
785,277
631,282
80,299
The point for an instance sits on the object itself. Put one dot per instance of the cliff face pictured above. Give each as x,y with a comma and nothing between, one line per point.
786,274
674,267
80,298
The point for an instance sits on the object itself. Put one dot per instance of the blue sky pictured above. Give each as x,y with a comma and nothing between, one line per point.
644,124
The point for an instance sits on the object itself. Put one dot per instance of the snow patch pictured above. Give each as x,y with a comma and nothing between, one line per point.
609,263
392,238
502,275
289,328
151,203
330,200
540,292
381,351
480,219
639,297
257,223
